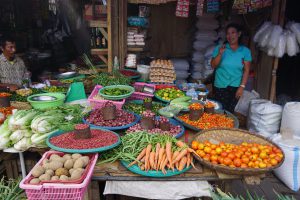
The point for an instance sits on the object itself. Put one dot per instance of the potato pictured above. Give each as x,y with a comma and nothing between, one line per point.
37,171
44,177
54,165
55,157
50,172
78,164
63,178
61,171
71,170
54,178
45,161
67,156
77,173
34,181
76,155
85,160
69,164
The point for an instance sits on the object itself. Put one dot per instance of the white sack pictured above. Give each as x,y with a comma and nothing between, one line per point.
274,38
198,57
291,117
244,102
180,64
209,34
197,75
261,30
198,67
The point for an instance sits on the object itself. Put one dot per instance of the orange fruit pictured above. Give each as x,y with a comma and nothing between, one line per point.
245,160
227,161
200,146
231,156
207,149
254,150
218,150
273,162
195,145
237,162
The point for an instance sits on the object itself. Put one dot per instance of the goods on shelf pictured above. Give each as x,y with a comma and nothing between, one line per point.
135,38
162,71
130,61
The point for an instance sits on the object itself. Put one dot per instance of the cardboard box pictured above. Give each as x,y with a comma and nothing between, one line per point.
100,12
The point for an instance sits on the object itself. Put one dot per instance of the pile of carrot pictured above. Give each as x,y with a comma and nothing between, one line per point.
164,156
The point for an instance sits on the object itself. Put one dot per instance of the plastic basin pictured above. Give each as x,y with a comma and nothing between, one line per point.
60,97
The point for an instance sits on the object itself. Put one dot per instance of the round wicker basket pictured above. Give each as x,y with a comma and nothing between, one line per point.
234,136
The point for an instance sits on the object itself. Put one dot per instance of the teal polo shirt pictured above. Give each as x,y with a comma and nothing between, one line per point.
230,70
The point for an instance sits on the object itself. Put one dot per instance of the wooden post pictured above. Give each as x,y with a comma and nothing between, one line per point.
278,16
109,43
122,31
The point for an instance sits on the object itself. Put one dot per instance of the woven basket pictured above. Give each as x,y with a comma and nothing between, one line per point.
234,136
21,105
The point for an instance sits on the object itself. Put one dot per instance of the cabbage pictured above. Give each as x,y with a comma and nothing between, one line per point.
23,144
21,119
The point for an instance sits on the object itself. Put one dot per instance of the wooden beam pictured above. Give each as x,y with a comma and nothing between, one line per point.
109,42
97,23
104,33
122,31
278,18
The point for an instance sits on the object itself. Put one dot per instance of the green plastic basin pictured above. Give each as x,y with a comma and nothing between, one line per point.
44,103
117,97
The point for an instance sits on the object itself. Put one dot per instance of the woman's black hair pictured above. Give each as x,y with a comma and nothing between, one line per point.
237,27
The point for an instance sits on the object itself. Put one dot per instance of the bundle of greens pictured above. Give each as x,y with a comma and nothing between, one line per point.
10,190
106,79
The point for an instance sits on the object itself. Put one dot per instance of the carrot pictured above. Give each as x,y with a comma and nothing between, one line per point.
160,156
156,154
175,154
148,150
143,160
180,155
192,163
183,145
188,162
152,155
140,156
164,163
182,163
177,165
169,152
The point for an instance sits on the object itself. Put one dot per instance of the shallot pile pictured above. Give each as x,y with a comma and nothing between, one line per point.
122,118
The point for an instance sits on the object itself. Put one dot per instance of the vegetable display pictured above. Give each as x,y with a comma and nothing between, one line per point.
55,89
169,94
151,152
4,94
115,78
115,91
22,94
7,110
182,102
10,190
30,128
122,118
99,138
208,121
244,155
140,108
60,168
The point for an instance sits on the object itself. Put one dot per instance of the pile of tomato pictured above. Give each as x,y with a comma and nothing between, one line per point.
245,155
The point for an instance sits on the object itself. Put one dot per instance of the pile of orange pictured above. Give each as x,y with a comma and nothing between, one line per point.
245,155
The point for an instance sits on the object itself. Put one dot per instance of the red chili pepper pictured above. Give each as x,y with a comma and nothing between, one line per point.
4,94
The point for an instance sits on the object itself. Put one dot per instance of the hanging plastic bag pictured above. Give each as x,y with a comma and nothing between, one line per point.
292,47
281,46
295,27
265,37
262,29
274,38
271,52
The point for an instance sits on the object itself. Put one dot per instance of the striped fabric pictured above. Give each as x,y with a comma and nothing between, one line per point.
12,72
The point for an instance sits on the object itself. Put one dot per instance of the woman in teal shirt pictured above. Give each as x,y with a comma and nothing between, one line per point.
231,62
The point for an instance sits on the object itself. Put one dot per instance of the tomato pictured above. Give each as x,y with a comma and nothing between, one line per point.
200,146
262,165
201,153
254,150
220,160
213,146
213,152
263,155
224,154
237,162
207,149
231,156
273,162
207,157
227,161
245,160
278,158
195,145
214,158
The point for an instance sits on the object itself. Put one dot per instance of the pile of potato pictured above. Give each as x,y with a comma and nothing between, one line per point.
66,168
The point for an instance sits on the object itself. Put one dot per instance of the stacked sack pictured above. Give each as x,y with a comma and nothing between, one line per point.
181,67
276,41
203,46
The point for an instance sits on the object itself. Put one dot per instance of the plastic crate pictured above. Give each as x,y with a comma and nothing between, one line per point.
140,95
97,103
61,191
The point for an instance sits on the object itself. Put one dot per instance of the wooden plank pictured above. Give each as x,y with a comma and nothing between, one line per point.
104,33
99,51
97,23
135,49
109,57
280,19
103,58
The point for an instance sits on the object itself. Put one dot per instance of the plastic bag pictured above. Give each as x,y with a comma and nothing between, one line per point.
274,38
169,111
271,52
243,104
198,67
265,37
181,74
202,45
180,64
198,57
281,46
262,29
197,75
209,51
295,27
206,34
292,47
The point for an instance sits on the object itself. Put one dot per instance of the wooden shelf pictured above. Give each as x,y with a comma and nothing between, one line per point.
98,23
135,49
99,51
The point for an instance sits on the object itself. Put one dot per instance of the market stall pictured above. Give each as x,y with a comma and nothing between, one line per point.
148,127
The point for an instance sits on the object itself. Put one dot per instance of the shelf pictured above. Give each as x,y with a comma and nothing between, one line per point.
135,49
99,51
98,23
